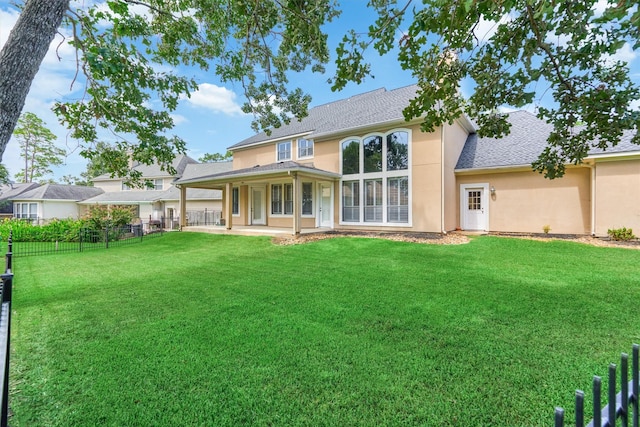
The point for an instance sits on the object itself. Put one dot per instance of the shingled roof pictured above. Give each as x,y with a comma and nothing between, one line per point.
523,145
366,109
60,192
179,163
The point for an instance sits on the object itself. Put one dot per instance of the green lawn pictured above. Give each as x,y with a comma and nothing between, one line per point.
201,330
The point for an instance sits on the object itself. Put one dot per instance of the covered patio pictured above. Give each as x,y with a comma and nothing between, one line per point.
303,202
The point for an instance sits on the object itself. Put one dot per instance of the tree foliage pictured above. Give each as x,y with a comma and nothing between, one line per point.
561,48
37,148
127,50
216,157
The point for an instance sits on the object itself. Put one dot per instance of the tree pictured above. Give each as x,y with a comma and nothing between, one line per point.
119,53
4,175
38,149
216,157
565,48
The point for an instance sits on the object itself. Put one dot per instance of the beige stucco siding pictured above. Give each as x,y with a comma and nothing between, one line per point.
617,196
525,201
426,180
455,138
257,155
58,209
109,186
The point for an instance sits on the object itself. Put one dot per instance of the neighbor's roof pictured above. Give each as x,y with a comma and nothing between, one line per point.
151,196
11,191
125,197
523,145
194,170
379,106
153,171
260,170
60,192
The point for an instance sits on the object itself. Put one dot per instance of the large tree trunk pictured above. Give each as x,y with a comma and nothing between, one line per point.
21,57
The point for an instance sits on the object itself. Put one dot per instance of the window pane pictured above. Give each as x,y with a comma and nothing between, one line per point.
307,198
305,147
373,200
276,199
284,151
373,154
398,151
288,199
398,199
351,201
235,201
350,157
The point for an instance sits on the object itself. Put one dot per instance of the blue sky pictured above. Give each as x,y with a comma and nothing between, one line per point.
211,120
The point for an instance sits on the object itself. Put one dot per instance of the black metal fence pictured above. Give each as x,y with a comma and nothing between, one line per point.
84,239
5,335
622,406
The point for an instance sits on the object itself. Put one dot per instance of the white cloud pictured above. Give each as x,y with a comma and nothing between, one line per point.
215,98
625,54
486,29
179,119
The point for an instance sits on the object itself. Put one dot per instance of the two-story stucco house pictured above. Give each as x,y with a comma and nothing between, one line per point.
357,164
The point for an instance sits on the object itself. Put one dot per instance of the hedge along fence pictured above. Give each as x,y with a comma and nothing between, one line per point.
59,236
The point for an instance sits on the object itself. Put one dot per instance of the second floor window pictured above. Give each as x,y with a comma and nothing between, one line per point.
158,184
284,151
305,148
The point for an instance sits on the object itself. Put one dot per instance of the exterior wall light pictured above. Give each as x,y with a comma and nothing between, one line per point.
492,190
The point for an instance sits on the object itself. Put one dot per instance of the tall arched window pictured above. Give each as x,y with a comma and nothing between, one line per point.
351,157
397,151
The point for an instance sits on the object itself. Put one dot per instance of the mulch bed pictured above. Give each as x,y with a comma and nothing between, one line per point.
453,238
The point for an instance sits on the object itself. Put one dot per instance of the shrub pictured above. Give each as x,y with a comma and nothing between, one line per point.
623,234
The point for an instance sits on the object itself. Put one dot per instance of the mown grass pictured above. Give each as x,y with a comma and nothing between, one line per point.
200,330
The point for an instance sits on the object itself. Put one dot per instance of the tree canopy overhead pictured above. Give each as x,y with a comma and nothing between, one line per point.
128,51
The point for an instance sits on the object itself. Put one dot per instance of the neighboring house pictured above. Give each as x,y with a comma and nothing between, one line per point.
159,204
357,164
10,191
49,201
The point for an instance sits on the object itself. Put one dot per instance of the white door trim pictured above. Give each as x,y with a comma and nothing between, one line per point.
483,223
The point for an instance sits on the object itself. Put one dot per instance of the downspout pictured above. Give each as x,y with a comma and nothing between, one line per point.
442,228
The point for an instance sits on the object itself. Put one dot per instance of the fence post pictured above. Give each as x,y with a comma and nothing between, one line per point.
5,315
636,380
597,410
106,237
9,255
624,392
559,418
579,408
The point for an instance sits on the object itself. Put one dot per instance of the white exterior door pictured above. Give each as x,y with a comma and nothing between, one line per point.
474,207
325,205
258,212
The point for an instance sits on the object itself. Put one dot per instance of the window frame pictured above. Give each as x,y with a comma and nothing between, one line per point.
310,148
307,198
279,151
387,173
235,201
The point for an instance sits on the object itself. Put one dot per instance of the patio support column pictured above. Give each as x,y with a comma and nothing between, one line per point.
183,206
227,196
296,204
